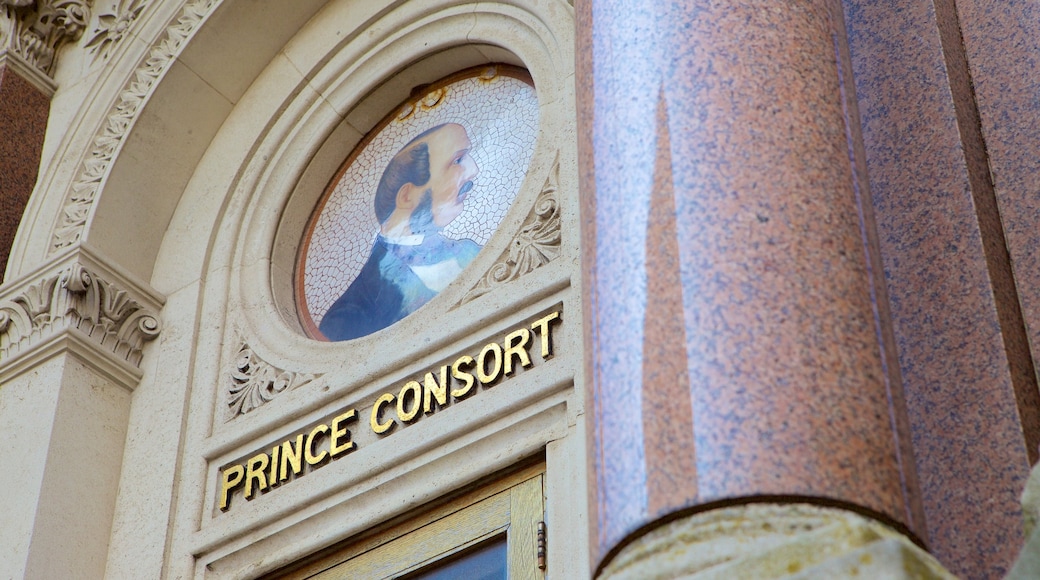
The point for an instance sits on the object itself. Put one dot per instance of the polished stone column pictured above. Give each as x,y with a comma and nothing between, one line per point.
731,316
960,334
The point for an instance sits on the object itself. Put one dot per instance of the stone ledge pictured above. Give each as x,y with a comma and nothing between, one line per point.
794,541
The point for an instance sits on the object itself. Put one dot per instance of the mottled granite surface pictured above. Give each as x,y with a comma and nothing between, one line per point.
942,264
1002,44
23,122
732,336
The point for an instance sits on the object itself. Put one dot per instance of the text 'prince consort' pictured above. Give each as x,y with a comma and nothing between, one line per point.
451,382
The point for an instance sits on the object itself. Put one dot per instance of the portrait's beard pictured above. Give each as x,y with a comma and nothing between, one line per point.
421,220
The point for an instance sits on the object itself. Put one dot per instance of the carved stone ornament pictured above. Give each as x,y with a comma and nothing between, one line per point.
537,243
255,382
113,26
76,298
99,156
36,29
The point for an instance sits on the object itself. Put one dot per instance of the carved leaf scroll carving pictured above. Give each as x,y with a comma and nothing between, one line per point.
255,382
536,244
98,158
76,298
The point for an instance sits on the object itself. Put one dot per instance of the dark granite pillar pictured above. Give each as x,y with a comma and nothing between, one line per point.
23,122
732,337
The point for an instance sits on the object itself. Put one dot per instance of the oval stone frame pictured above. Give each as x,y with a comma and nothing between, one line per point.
415,201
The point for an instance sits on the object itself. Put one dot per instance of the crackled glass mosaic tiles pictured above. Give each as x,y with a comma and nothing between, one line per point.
415,202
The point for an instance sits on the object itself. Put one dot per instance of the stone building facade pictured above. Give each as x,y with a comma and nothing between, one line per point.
766,303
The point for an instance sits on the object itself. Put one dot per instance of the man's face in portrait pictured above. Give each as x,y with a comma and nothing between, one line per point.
425,185
452,170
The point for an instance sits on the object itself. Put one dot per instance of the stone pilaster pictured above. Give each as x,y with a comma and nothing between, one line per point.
71,339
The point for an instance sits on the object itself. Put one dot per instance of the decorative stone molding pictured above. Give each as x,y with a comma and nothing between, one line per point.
36,29
113,26
536,244
121,117
76,297
793,541
254,382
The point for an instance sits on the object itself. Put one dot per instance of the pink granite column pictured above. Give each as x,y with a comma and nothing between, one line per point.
732,340
936,180
23,121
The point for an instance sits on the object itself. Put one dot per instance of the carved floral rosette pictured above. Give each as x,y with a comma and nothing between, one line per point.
76,298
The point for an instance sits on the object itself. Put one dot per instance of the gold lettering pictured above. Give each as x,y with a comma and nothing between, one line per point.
377,427
433,391
232,478
255,472
542,326
335,448
308,449
416,389
518,349
291,456
483,375
272,476
461,375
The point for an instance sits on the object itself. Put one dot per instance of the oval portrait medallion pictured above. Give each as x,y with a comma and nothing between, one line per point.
415,202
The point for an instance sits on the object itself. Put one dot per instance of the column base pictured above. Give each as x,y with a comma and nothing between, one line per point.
793,541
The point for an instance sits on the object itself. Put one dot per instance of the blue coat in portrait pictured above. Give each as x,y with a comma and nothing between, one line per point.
397,279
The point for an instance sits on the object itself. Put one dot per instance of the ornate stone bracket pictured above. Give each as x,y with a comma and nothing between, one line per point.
36,29
537,243
76,297
254,382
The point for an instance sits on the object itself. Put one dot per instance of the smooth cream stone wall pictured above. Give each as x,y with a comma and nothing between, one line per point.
64,426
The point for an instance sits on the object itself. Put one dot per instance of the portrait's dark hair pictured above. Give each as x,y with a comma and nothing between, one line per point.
410,165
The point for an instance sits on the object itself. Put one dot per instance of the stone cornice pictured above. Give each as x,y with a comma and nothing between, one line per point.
77,293
35,29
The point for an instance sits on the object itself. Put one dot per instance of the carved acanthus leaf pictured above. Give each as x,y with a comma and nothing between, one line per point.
36,29
254,381
76,298
98,158
536,244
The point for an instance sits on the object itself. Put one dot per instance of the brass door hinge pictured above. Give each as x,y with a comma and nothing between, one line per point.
541,545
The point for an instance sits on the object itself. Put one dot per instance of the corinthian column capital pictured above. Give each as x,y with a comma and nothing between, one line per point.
32,31
77,297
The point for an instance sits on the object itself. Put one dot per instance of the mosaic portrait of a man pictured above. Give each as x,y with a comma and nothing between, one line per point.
414,205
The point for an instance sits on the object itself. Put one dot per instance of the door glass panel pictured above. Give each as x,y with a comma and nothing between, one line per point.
490,533
486,562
